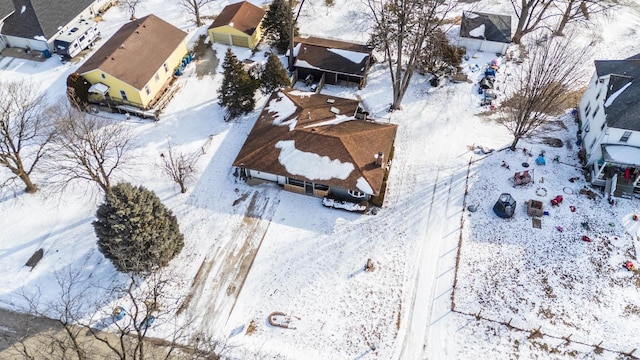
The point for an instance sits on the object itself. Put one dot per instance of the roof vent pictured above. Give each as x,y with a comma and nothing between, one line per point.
122,46
334,110
331,101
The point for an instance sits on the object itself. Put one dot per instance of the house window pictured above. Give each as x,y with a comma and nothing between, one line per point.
596,112
295,182
103,76
587,127
588,110
157,76
593,143
356,194
123,95
147,90
625,136
321,187
166,68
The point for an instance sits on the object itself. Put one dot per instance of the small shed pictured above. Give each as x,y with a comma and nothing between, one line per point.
485,32
505,206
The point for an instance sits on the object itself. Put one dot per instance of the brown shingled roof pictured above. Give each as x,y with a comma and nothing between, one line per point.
318,53
355,141
136,51
243,16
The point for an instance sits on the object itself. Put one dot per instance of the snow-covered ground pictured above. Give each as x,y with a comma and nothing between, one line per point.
254,250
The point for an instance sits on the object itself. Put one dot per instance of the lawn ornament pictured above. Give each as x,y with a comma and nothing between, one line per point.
572,208
585,238
540,160
629,266
556,200
147,322
559,228
118,313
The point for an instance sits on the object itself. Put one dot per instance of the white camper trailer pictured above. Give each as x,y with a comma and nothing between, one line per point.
77,38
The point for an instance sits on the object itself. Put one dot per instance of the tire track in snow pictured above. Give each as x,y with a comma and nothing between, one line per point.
418,306
222,273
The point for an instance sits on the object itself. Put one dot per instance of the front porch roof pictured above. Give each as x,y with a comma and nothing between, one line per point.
621,154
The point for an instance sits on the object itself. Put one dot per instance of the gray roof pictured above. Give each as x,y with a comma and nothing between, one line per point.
6,8
41,17
624,110
497,27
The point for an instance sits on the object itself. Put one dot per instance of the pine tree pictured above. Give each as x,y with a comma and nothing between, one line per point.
135,230
274,75
277,25
238,87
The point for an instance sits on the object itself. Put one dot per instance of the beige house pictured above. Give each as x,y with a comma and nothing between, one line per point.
238,24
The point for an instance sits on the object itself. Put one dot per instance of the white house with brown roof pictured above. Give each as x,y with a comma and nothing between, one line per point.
136,64
318,145
238,24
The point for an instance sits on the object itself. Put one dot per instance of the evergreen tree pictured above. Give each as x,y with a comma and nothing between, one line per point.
238,87
135,230
277,25
274,75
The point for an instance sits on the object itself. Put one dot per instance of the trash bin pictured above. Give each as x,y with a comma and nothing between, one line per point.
46,54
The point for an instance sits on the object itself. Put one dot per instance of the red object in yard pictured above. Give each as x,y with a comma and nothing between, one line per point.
558,198
572,208
629,266
586,238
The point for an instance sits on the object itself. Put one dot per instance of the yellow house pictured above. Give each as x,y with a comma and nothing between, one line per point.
238,24
136,64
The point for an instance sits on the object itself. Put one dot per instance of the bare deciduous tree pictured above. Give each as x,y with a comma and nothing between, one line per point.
540,86
178,166
193,7
581,11
88,148
82,336
25,130
130,6
401,28
532,15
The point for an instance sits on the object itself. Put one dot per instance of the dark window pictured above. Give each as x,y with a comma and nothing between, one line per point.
103,76
603,125
123,95
321,187
625,137
81,38
295,182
